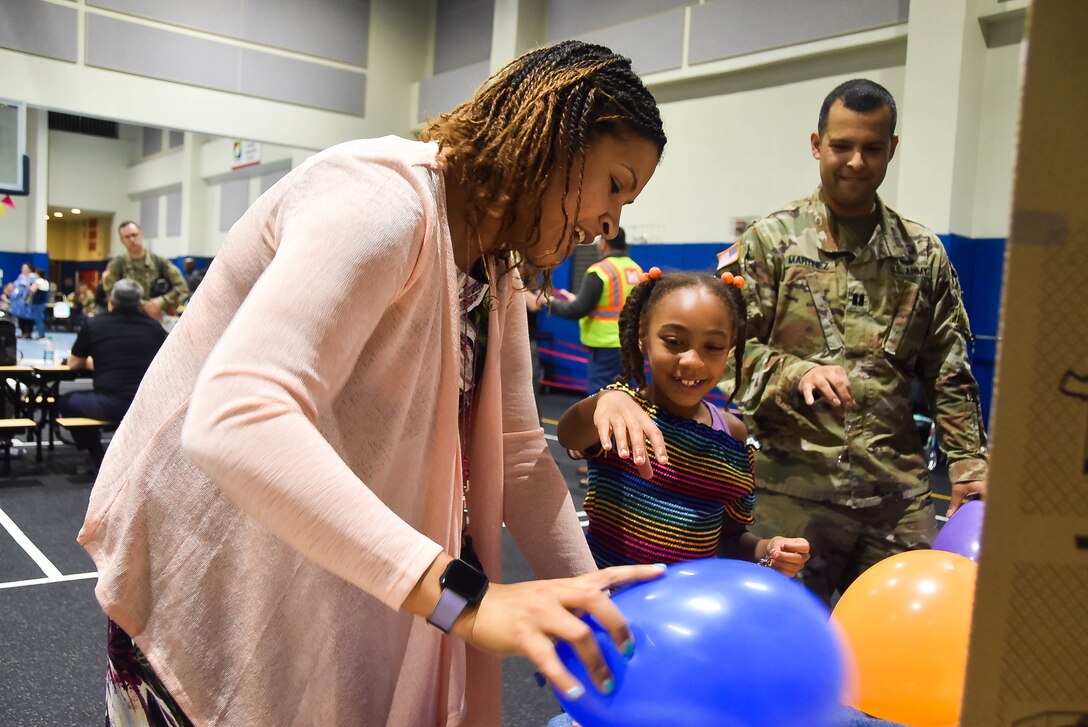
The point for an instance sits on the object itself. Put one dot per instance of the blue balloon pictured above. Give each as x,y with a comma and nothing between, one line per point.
721,643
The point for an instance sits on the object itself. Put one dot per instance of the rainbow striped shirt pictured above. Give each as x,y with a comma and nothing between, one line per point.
679,514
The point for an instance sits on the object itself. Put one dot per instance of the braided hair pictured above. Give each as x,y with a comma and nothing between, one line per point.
537,115
640,304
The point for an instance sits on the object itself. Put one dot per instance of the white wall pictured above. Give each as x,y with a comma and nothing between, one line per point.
111,176
393,63
738,133
215,169
92,172
746,153
741,154
997,142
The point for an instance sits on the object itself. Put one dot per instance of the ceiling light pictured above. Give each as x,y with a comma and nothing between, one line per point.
76,210
58,214
47,217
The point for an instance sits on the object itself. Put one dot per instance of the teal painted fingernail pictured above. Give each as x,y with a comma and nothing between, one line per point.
609,686
575,692
662,566
628,648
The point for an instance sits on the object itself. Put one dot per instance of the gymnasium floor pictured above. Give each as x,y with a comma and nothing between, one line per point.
52,633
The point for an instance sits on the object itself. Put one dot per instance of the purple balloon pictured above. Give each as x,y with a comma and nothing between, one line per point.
717,642
963,531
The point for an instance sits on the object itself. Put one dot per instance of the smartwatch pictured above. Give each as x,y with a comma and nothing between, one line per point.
462,586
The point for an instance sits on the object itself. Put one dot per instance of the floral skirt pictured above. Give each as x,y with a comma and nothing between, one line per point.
134,695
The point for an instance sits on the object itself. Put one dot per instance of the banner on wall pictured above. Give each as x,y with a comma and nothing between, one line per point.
245,154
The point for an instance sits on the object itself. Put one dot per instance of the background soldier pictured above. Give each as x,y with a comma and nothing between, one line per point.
848,302
164,287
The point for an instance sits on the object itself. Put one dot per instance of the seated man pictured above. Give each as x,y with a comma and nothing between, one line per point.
118,347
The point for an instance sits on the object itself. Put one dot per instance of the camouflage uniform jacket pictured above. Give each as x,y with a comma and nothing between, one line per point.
889,313
145,271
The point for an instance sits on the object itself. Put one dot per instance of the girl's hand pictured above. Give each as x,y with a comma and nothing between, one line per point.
788,555
618,415
525,619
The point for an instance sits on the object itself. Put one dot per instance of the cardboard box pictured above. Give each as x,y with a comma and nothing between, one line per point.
1028,662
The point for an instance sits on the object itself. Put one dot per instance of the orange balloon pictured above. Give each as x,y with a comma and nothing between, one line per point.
907,620
849,694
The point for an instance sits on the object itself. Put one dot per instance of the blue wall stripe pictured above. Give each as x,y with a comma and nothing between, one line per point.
978,262
12,264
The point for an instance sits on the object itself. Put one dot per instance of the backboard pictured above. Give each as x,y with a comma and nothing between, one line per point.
14,163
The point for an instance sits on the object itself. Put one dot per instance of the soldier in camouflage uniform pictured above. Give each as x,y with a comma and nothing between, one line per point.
145,268
847,303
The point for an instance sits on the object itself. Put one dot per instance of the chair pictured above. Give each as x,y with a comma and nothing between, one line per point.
62,315
9,427
82,423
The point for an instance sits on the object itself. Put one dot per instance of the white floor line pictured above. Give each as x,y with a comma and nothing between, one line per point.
942,518
20,537
44,581
551,437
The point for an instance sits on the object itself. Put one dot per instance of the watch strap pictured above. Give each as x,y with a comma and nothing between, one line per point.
449,607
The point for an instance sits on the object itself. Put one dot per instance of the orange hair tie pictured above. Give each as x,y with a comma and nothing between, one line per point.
734,280
653,273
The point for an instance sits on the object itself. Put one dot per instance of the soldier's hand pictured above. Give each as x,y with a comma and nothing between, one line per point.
963,490
153,309
831,382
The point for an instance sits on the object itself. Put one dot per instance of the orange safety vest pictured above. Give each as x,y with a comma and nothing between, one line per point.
601,328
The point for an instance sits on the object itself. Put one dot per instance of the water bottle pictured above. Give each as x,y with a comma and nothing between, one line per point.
47,350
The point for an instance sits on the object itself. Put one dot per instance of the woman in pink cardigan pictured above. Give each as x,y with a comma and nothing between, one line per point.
283,526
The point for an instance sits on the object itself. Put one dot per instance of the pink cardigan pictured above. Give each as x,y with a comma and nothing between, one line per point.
290,466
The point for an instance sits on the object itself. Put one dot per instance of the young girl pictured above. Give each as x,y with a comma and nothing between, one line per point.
695,501
280,521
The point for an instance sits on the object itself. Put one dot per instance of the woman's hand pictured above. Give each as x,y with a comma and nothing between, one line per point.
525,619
788,555
618,415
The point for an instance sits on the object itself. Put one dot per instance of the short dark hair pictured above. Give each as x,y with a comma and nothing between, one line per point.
860,95
126,223
619,242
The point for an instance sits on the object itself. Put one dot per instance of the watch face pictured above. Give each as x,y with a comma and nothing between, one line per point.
464,580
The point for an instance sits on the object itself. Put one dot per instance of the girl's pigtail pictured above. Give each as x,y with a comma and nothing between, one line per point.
739,309
631,356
